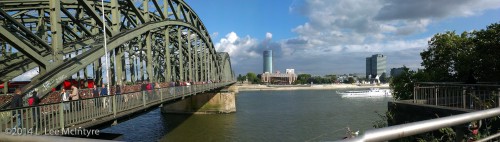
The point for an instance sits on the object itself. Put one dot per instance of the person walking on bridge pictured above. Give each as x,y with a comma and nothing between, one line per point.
105,100
65,99
34,101
17,101
75,97
95,95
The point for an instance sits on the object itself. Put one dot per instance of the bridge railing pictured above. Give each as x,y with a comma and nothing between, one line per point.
46,117
466,96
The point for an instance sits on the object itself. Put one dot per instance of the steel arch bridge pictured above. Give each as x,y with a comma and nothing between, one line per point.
155,40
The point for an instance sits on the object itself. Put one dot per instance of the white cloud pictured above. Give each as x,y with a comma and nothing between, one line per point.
269,36
238,48
339,35
27,76
215,35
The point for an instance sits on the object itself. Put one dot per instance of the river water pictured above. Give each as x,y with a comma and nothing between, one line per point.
299,115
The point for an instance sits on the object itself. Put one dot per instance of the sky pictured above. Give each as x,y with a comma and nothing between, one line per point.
322,37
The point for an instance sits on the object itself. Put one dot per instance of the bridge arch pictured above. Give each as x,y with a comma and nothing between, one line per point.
226,69
155,40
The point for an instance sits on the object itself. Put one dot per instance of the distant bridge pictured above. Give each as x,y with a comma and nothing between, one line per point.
159,41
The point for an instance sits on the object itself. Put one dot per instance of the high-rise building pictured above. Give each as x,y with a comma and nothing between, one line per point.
376,65
268,61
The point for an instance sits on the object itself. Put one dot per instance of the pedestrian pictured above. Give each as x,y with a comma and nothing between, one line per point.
33,101
65,99
75,97
95,94
118,93
17,101
105,99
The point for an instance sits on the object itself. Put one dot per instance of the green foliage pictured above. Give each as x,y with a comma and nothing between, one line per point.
252,78
302,79
487,51
307,79
241,78
454,57
384,119
331,77
319,80
351,80
383,78
403,84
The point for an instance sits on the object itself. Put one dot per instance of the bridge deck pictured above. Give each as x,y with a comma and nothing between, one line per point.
90,112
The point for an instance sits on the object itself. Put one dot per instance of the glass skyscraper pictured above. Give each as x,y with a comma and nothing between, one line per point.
268,61
376,65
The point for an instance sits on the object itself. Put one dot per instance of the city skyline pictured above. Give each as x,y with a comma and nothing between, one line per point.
334,37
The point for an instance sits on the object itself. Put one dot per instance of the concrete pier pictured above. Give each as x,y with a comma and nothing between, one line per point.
221,101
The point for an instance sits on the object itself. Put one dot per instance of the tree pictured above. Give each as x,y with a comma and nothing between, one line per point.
403,84
351,80
487,51
383,78
453,57
331,77
440,58
302,79
252,77
239,78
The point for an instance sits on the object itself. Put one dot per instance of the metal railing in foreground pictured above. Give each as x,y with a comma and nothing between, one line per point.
55,116
410,129
455,95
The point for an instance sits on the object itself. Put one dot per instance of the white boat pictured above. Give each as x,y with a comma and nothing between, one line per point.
373,92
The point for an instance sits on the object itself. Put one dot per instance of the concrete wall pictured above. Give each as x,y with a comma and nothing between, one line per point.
204,103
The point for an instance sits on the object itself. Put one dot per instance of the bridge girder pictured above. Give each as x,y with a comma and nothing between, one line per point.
64,38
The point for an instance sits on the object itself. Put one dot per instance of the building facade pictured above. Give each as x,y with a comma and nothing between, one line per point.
375,65
278,78
268,61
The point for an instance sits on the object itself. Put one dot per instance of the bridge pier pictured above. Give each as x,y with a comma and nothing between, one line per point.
216,102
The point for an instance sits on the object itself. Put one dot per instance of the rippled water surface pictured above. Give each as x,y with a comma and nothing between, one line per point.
299,115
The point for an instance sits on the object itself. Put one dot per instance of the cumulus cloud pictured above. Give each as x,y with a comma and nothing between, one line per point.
339,35
27,76
269,36
425,9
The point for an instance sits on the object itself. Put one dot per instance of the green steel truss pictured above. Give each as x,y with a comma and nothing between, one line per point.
155,40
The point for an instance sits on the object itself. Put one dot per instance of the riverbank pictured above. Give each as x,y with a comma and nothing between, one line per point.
256,87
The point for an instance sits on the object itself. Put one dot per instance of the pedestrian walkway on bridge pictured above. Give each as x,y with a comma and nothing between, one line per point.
88,112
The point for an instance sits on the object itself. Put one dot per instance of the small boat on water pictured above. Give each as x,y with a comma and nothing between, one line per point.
373,92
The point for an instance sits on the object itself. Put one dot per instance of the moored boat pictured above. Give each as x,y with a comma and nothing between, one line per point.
373,92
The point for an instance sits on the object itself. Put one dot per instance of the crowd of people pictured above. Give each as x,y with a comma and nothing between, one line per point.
70,103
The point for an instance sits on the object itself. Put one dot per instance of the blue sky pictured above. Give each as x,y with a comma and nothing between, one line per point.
251,17
322,37
334,36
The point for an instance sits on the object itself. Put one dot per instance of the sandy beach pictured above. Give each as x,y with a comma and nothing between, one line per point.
256,87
